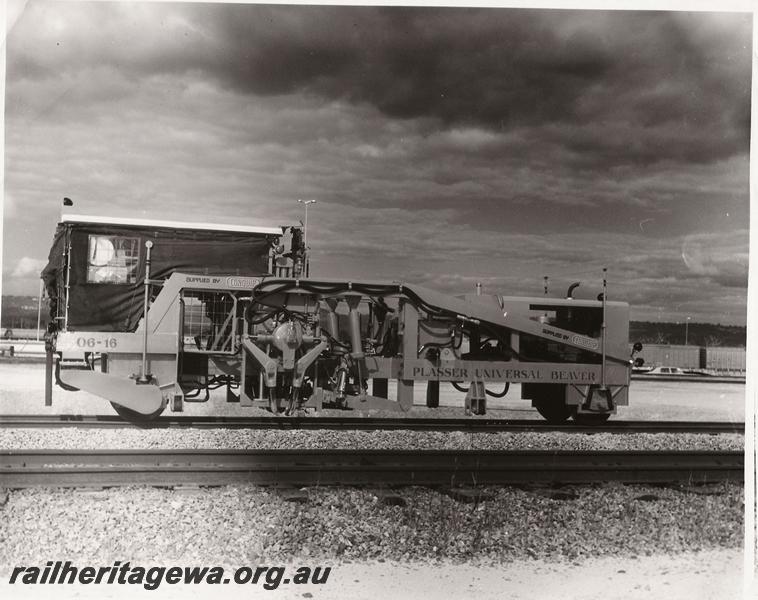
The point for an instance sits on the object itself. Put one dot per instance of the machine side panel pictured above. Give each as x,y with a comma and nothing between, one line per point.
513,371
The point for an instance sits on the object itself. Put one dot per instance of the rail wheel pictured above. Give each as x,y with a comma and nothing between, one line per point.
553,412
134,417
550,401
591,419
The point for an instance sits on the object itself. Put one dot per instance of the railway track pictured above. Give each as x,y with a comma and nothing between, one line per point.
370,423
67,468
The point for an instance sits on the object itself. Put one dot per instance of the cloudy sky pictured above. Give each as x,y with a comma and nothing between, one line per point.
444,146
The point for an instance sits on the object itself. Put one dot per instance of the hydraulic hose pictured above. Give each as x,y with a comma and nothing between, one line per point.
502,394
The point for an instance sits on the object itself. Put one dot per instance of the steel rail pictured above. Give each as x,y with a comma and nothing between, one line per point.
102,468
469,424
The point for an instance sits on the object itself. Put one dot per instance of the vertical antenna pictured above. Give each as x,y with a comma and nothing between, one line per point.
306,258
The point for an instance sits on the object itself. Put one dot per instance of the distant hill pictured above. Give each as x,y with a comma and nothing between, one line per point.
21,312
698,334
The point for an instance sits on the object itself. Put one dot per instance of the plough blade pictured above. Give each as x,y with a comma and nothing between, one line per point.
145,399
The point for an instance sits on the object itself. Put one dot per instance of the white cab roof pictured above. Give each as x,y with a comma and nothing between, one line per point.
169,224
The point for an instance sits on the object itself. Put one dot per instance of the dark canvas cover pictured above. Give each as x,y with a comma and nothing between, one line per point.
118,307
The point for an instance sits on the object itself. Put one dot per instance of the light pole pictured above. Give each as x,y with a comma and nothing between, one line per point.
305,225
686,330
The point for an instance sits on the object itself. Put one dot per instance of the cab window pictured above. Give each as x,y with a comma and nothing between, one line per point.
112,259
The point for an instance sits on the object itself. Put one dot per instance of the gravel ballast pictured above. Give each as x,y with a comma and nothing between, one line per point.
247,524
76,438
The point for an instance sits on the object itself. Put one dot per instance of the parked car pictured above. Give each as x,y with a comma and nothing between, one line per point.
666,371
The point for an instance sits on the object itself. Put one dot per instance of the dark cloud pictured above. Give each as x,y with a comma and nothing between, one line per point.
487,66
636,88
642,86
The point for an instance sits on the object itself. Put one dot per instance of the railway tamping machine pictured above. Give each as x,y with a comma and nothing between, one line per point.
151,315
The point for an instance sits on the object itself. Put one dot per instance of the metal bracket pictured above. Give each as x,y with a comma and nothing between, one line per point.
599,399
476,398
268,364
306,361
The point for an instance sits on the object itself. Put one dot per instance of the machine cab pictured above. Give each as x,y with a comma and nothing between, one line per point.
96,268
